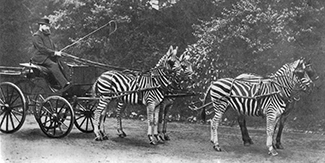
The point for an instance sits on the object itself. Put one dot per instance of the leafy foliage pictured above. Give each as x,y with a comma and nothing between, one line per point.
244,37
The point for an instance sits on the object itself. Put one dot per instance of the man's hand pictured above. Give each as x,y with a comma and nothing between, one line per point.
58,53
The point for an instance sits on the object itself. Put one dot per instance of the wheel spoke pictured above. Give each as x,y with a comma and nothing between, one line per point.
17,106
54,128
7,121
48,128
82,122
14,114
87,123
93,106
3,118
2,103
11,96
81,107
91,121
11,120
62,123
1,93
46,117
46,121
48,111
13,101
17,112
63,106
80,117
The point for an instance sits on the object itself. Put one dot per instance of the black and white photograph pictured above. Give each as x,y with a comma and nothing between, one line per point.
162,81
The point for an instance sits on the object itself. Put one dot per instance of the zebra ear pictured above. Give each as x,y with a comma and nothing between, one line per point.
170,51
184,57
174,51
181,57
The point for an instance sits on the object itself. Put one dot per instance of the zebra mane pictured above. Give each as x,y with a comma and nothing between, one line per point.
161,61
288,68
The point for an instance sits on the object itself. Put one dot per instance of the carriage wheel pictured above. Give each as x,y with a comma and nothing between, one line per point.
34,93
12,107
84,115
56,117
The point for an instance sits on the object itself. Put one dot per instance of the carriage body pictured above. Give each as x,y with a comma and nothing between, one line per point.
29,89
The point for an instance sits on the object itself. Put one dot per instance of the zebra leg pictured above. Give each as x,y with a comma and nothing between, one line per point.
271,121
150,116
156,120
99,116
245,136
214,130
164,131
161,120
282,120
119,110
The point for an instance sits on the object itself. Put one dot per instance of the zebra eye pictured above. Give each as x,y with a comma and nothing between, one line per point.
299,74
183,67
171,63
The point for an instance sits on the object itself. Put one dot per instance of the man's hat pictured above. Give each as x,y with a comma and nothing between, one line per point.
45,21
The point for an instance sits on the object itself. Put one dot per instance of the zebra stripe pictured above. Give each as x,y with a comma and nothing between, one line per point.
256,97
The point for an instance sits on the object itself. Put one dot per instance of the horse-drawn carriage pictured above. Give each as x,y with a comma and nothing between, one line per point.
31,88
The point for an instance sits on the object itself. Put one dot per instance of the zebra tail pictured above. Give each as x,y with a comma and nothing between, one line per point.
94,89
203,113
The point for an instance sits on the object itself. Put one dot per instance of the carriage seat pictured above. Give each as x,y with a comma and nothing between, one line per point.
35,70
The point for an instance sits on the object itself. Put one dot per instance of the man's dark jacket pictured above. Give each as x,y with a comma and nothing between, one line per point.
43,47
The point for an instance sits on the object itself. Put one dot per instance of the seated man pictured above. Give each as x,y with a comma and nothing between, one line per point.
44,52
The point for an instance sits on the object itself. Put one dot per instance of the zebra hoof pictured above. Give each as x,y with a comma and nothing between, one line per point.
152,140
153,143
248,143
105,137
166,137
160,139
278,146
122,135
273,152
98,139
217,148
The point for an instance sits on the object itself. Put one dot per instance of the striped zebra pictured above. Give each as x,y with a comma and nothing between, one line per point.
290,104
263,98
164,105
152,85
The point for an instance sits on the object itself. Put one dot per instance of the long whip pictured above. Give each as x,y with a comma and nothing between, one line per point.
80,39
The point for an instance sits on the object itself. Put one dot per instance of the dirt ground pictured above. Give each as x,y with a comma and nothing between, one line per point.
189,143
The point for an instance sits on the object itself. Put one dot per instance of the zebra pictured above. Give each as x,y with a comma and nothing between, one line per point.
154,84
290,104
163,106
265,98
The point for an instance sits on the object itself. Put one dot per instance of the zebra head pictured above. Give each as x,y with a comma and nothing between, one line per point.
302,73
186,65
178,69
169,60
181,67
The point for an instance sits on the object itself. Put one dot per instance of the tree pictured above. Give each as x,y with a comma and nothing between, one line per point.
13,32
244,38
